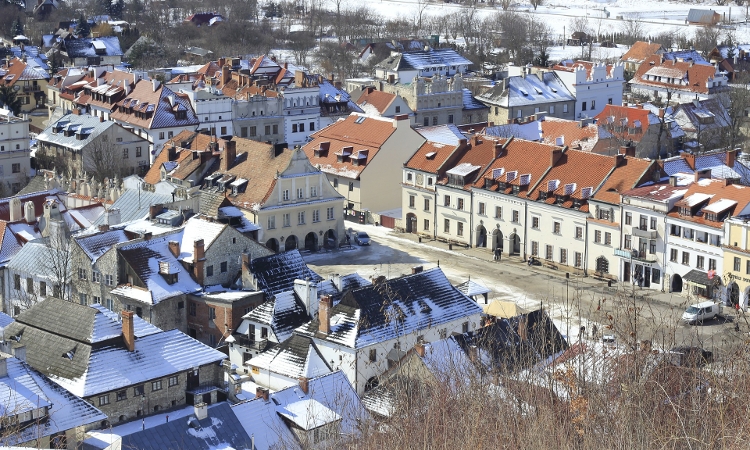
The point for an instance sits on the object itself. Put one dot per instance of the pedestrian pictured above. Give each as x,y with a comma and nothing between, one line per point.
497,254
348,240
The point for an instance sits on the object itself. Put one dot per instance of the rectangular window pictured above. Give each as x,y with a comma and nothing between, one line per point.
598,237
313,191
593,104
42,288
174,380
607,238
565,107
643,222
627,243
301,127
253,131
211,313
563,256
301,218
373,355
300,193
312,126
275,129
427,204
579,259
548,252
122,395
737,264
535,223
450,118
534,248
103,400
499,212
711,264
460,229
96,276
515,216
316,215
267,129
210,271
16,168
329,213
271,222
628,218
551,109
653,223
223,267
286,219
482,208
673,255
82,274
556,228
583,106
17,282
460,204
652,246
156,386
351,186
285,195
83,299
447,200
447,226
138,152
96,299
110,304
747,267
426,224
412,201
579,232
686,260
125,152
192,309
294,128
138,390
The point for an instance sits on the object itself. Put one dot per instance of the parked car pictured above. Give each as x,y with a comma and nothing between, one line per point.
361,238
701,311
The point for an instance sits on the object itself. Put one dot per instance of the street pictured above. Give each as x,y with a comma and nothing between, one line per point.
632,314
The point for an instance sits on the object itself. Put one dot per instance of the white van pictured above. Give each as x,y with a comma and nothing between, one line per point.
701,311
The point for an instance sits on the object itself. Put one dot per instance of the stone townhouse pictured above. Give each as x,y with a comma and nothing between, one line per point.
643,224
453,195
593,85
214,315
383,104
677,81
651,134
638,52
519,97
15,155
124,366
28,79
696,231
737,261
445,144
360,337
363,158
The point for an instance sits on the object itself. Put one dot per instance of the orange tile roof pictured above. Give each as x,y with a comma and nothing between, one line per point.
194,141
480,151
628,174
527,159
574,135
632,114
697,75
369,135
430,157
588,65
379,99
257,163
640,51
718,190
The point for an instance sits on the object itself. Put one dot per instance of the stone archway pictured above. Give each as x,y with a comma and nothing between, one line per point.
411,223
745,299
329,240
273,244
497,239
733,295
514,244
290,243
311,241
676,284
481,236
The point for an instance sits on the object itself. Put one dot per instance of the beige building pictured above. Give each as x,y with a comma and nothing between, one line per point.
363,158
737,261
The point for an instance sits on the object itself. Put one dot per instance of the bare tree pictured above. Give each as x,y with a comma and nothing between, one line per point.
632,30
57,260
536,3
706,39
102,159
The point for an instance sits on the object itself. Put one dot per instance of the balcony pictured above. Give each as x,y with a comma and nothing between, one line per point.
253,344
644,233
636,255
31,88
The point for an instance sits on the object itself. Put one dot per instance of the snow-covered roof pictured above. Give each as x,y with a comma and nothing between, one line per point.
720,206
444,134
96,245
697,198
294,358
261,421
432,58
532,89
276,273
282,313
134,204
365,316
471,288
463,169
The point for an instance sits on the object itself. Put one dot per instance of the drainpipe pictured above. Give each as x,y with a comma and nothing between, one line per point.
434,212
525,230
471,218
586,249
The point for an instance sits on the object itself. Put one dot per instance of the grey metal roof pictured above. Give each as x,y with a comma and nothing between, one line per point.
221,429
701,15
32,258
80,130
436,57
528,90
134,203
470,102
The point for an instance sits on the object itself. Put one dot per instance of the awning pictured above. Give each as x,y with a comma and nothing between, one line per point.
698,277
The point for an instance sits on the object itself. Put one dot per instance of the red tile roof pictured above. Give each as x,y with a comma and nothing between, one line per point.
630,173
480,152
612,115
529,160
378,99
640,51
430,157
697,75
718,190
574,135
366,137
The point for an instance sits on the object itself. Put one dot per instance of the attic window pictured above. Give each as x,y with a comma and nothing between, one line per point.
70,354
487,183
360,119
430,155
497,173
523,91
586,192
685,211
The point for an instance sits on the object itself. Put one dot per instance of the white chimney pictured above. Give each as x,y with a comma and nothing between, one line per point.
15,209
201,410
307,291
3,367
113,216
155,84
28,212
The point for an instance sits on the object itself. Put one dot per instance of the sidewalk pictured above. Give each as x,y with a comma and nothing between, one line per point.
590,283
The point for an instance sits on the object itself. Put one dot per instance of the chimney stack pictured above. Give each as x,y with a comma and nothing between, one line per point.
416,269
174,248
261,392
628,150
498,149
689,159
155,210
225,75
15,209
304,384
731,158
230,154
324,315
128,331
199,260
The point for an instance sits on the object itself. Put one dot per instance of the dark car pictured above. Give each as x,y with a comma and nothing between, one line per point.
361,238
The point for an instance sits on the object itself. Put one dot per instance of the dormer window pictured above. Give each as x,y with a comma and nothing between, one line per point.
488,183
685,211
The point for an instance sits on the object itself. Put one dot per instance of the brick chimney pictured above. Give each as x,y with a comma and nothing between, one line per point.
416,269
155,210
304,385
199,260
174,248
419,348
689,159
628,150
261,393
128,331
230,154
498,150
225,74
731,157
324,314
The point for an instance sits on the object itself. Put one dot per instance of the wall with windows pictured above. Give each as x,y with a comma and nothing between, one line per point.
418,202
558,235
453,220
499,222
694,246
301,112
